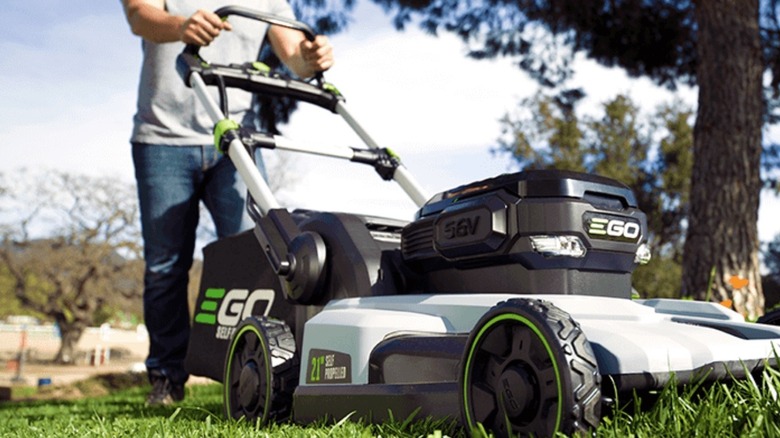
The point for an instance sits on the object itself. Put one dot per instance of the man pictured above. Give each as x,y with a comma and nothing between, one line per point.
176,165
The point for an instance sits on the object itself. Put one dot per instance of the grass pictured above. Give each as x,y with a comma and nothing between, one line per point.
741,408
123,414
746,408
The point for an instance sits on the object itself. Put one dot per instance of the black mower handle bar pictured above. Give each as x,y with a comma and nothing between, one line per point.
225,11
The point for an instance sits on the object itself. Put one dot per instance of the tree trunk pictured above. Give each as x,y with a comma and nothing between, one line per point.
70,334
720,259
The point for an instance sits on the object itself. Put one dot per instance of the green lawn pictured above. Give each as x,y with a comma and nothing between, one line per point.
747,408
123,414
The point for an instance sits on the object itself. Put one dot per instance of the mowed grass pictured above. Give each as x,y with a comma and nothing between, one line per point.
745,408
123,414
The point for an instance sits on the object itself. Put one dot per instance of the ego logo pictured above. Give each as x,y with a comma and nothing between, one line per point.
227,309
623,229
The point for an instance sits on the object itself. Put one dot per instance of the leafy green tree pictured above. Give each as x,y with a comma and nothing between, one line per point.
11,305
544,120
71,247
548,133
725,47
673,170
618,145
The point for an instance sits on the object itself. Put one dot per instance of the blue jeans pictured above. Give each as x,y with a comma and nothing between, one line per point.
172,180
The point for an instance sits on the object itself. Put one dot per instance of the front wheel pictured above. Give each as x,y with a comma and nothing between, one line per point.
528,370
261,371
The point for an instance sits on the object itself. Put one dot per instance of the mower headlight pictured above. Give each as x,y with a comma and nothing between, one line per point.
643,254
558,246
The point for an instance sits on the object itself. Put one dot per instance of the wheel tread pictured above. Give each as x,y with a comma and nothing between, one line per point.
285,372
585,409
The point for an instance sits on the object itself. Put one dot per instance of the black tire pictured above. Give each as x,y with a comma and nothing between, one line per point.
261,371
528,369
772,318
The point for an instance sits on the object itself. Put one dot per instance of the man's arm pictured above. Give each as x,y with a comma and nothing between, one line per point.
305,58
149,20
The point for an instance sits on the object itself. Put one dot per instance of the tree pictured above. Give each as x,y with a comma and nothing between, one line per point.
723,46
71,246
549,133
727,155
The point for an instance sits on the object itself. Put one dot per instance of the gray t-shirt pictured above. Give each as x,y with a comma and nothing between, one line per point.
168,112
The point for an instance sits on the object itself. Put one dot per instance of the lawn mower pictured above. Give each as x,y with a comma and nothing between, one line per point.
505,303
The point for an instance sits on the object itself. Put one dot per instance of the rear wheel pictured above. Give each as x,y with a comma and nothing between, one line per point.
261,371
529,370
771,318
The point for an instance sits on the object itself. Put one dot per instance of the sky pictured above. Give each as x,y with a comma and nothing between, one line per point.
69,73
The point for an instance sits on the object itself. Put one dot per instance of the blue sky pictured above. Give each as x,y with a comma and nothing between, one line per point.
69,74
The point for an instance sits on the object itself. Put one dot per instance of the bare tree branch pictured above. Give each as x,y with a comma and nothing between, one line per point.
72,247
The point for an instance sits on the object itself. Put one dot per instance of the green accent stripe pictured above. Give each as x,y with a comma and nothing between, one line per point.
261,67
205,318
215,293
330,88
208,306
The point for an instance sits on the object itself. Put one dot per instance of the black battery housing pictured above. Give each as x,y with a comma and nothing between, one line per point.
477,238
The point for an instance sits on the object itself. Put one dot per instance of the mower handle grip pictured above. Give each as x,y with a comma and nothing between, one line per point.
241,11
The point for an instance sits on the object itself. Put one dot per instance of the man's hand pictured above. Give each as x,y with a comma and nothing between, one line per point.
149,20
317,54
202,27
305,58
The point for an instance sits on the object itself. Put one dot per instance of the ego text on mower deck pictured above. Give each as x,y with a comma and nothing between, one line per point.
505,302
